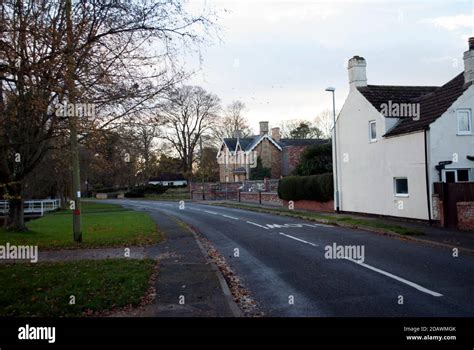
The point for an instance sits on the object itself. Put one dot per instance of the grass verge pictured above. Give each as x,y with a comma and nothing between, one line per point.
103,225
97,285
344,221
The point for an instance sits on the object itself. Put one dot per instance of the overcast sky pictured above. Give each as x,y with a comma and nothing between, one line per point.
278,56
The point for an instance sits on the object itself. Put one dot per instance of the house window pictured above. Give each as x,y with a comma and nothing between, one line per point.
450,176
464,122
372,131
401,186
456,175
463,175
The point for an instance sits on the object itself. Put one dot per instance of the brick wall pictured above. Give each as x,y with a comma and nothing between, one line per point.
465,215
437,207
271,198
250,197
266,197
327,207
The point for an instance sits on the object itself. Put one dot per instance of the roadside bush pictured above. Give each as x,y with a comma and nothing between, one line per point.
315,160
141,191
137,192
315,187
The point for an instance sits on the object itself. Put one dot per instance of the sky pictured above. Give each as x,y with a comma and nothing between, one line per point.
279,56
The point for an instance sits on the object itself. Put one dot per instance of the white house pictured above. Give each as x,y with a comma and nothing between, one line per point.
394,142
169,180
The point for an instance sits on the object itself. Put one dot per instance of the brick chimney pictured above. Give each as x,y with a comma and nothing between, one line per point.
357,72
469,63
263,128
276,134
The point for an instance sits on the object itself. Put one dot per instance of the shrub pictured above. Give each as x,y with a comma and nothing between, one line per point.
141,191
315,187
260,172
137,192
315,160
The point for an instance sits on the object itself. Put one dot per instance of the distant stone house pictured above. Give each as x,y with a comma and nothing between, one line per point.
238,155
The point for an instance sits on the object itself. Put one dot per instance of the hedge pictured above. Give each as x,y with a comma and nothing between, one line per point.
315,187
140,191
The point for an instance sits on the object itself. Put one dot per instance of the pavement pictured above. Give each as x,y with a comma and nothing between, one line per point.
285,265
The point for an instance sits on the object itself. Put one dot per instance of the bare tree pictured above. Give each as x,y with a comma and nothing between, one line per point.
143,138
112,68
189,115
324,122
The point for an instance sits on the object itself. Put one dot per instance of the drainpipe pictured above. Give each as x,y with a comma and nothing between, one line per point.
427,177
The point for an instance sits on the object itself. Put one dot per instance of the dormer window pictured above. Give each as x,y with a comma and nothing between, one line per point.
372,131
464,122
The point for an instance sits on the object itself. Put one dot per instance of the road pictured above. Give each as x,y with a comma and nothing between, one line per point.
283,263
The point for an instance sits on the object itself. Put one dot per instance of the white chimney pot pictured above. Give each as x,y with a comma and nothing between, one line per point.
469,63
357,71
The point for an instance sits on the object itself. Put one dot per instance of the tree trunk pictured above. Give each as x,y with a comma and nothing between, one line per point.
15,221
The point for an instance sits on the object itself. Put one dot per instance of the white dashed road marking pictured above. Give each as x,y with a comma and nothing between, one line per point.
399,279
253,223
298,239
210,212
230,217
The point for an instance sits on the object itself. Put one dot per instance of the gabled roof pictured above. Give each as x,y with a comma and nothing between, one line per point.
249,143
379,94
433,100
246,141
231,143
432,106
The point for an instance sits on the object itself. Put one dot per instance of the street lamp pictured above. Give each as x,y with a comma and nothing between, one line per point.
333,90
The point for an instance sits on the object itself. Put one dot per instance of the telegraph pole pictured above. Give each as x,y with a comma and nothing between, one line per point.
71,94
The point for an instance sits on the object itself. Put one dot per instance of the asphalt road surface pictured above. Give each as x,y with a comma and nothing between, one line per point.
284,263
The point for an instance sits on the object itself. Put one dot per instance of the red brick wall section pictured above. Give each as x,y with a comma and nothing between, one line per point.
327,207
465,215
251,197
267,198
271,197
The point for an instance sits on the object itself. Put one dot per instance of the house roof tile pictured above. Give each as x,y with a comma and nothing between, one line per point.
433,100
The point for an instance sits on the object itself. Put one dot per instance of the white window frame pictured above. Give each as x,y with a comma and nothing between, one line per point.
469,121
371,139
395,187
455,170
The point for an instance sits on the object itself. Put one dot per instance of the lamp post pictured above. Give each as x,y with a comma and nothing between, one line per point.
334,140
202,172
